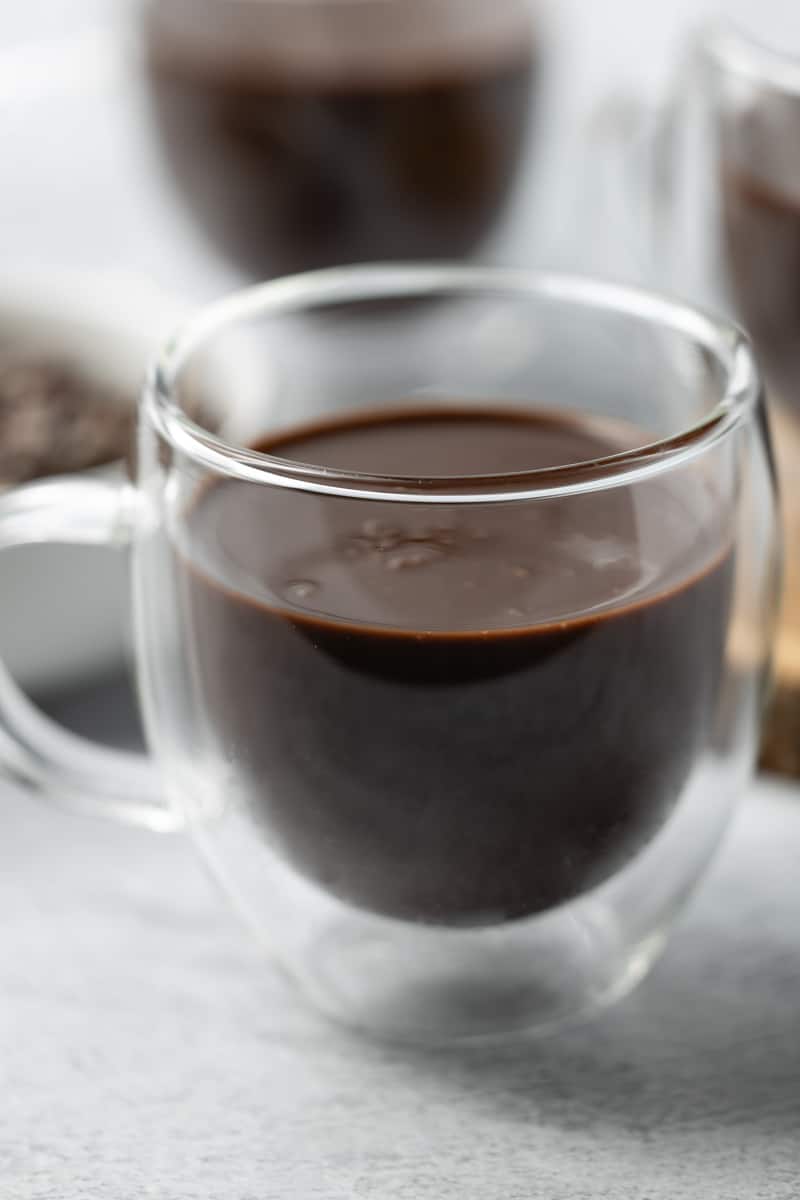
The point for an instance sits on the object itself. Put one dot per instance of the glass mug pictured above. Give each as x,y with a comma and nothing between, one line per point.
337,131
715,176
455,678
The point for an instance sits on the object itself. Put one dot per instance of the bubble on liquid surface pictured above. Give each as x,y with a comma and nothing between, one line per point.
602,553
413,555
300,590
380,535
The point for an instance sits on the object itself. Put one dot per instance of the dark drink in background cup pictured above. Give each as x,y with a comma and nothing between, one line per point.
333,131
761,225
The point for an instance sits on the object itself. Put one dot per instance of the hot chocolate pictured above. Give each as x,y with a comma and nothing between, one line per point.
456,714
315,134
762,239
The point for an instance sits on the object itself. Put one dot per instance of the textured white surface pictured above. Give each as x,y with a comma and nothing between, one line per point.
147,1050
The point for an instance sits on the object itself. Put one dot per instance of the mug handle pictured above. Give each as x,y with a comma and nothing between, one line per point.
34,751
616,170
649,158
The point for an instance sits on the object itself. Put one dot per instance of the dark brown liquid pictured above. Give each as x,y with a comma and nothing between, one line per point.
289,167
762,231
459,714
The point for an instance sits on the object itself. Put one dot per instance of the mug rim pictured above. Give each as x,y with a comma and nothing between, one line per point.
722,338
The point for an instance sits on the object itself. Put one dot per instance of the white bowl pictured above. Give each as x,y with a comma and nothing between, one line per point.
62,608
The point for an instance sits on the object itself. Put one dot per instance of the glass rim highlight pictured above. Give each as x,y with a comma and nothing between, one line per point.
722,339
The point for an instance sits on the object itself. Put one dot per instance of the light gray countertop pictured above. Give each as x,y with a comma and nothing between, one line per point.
148,1050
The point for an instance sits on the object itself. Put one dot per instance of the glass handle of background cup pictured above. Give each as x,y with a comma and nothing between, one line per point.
615,170
637,155
34,751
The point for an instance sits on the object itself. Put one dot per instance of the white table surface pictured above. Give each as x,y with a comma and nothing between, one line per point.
146,1049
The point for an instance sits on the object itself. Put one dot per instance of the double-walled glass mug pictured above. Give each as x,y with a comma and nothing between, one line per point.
714,198
453,593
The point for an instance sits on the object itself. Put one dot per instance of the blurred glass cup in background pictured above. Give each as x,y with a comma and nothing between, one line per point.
710,188
332,131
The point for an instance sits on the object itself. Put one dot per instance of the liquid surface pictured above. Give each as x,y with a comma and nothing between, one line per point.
463,714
